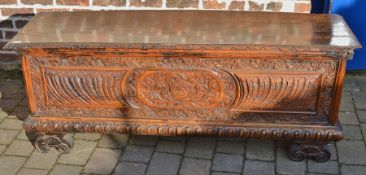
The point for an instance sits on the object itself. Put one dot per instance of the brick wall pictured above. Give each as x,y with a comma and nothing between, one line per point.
14,14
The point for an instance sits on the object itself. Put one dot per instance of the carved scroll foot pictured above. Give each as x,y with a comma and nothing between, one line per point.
298,151
43,143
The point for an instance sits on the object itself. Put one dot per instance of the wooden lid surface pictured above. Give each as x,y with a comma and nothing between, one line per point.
182,29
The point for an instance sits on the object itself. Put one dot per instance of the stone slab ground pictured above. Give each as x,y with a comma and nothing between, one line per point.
134,155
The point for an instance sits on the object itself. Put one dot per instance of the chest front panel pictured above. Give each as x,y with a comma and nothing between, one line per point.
221,89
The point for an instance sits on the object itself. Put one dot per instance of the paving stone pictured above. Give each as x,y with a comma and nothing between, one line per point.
130,168
230,147
143,140
20,148
11,124
329,167
361,81
351,152
254,167
113,141
347,103
232,139
18,95
87,136
260,149
353,170
7,136
3,115
9,165
137,153
192,166
333,151
200,147
363,128
350,84
352,132
8,104
359,99
362,115
24,102
79,154
12,117
228,163
174,138
222,173
11,86
103,161
28,171
286,166
2,149
348,118
21,112
164,164
66,169
170,147
22,136
41,160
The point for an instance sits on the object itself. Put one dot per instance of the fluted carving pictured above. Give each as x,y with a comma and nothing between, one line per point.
83,87
279,92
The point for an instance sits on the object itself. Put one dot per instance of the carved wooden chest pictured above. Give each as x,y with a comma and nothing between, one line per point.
259,75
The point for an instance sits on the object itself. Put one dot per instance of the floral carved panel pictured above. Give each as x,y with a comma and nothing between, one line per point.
180,89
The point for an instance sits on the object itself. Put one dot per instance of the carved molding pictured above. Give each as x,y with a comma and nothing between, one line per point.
283,132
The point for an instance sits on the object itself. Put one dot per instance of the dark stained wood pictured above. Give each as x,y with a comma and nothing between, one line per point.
236,74
175,28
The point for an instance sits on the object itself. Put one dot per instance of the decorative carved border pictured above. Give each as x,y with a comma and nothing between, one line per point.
105,126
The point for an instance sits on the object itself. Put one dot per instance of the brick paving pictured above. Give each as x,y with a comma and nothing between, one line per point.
137,155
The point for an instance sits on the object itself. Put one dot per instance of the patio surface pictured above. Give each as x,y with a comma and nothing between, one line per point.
134,155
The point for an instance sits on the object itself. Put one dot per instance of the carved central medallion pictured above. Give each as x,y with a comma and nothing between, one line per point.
179,89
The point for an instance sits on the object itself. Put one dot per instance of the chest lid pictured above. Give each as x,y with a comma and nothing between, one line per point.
184,30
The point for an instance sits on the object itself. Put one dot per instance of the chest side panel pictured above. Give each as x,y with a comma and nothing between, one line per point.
226,89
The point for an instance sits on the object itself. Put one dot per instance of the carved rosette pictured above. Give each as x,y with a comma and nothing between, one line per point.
174,89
